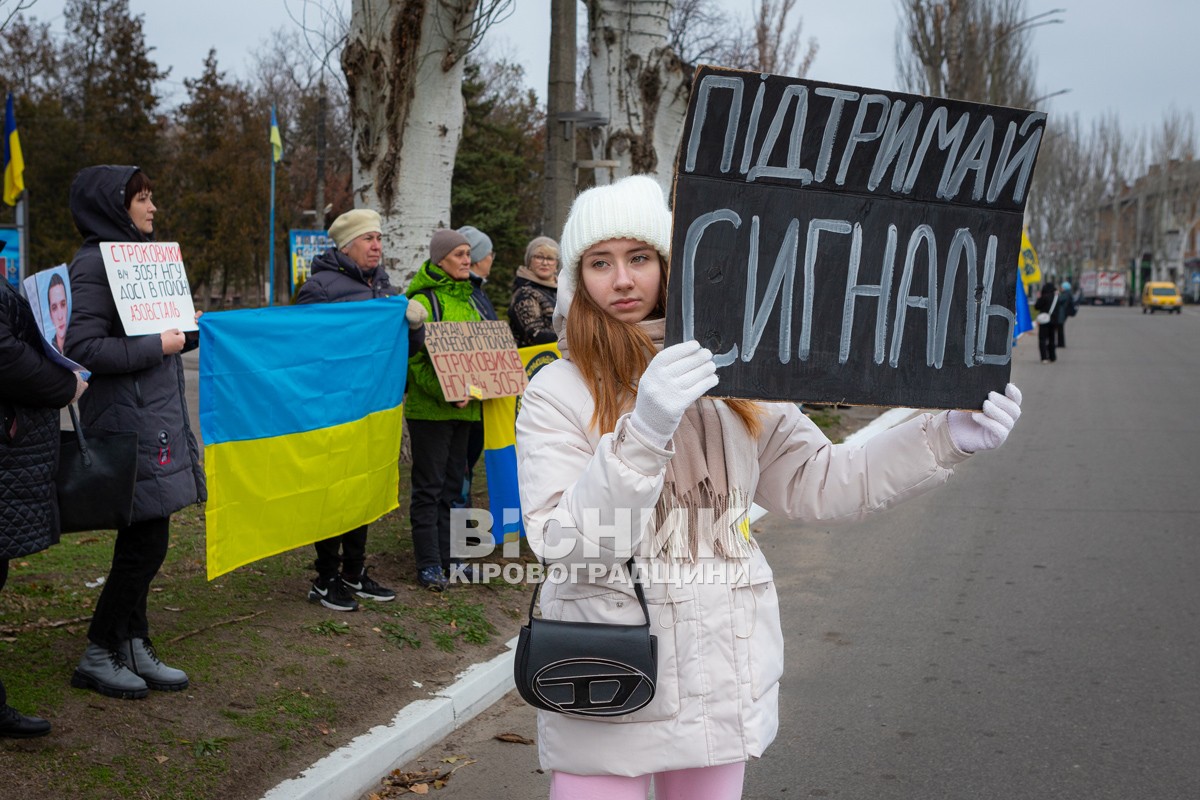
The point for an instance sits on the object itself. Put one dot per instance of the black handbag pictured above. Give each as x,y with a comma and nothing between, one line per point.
97,473
587,669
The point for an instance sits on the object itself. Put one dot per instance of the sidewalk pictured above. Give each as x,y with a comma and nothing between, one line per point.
356,768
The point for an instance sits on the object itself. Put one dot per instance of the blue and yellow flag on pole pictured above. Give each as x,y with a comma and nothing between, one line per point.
1024,321
276,139
1031,271
300,410
14,162
500,450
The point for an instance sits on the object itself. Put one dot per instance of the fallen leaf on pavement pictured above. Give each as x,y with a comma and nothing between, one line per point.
514,738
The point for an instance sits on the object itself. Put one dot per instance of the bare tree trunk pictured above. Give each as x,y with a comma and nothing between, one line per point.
638,81
403,62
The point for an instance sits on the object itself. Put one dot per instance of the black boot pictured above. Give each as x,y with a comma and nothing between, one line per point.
15,725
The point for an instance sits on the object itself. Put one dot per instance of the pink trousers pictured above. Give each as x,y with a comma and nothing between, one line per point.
702,783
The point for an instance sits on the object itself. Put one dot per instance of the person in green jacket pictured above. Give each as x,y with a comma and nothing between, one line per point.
438,430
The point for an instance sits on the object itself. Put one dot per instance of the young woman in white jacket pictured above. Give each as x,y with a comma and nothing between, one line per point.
619,452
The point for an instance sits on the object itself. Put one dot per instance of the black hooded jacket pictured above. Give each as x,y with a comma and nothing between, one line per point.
134,387
32,388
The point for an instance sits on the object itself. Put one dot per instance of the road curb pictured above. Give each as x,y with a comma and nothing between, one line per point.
356,768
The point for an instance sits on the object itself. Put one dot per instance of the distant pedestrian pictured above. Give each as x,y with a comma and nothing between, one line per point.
1047,307
1066,308
535,291
349,271
137,384
32,389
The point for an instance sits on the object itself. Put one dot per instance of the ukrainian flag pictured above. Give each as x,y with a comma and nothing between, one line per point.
1024,320
500,449
300,410
14,162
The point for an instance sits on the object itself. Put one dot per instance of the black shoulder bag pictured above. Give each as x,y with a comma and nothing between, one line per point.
587,669
96,477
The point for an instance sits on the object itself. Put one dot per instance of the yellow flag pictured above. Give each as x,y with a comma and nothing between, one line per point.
1031,271
14,163
276,141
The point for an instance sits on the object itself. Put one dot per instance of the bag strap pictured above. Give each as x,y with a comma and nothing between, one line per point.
435,307
637,589
1053,303
83,446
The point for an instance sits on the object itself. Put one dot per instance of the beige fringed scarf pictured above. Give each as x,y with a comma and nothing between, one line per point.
528,274
698,512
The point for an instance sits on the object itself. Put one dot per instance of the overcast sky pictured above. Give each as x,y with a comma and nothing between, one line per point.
1135,58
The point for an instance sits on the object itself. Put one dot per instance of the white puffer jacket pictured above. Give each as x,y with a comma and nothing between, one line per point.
720,644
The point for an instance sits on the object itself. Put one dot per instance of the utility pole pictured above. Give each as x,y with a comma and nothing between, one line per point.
559,190
319,201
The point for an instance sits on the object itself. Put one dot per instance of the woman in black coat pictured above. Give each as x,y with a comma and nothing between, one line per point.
137,385
1048,304
32,389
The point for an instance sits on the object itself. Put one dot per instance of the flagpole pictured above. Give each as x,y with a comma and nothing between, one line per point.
271,240
22,244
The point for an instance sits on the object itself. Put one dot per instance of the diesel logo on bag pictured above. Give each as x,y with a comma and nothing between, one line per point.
587,669
592,686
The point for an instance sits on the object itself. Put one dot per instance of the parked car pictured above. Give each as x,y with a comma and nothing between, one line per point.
1161,295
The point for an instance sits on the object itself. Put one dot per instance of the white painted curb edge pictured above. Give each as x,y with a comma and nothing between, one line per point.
355,768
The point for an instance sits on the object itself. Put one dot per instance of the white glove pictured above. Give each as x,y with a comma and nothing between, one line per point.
973,431
416,315
676,377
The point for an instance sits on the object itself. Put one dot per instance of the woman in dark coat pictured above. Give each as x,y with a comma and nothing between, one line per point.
137,385
32,388
1047,303
535,291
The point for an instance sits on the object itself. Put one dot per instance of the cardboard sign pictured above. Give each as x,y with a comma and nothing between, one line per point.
149,286
840,244
475,360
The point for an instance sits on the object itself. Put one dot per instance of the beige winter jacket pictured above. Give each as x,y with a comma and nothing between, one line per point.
720,644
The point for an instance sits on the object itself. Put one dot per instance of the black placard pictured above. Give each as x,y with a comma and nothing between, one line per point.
840,244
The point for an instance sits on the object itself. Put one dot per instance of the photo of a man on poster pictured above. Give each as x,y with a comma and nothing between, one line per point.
49,296
58,308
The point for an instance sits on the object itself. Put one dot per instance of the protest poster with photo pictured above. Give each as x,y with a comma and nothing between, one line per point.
10,255
305,246
475,360
49,296
847,245
149,286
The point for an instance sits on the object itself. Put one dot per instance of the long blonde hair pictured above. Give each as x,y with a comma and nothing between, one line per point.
611,355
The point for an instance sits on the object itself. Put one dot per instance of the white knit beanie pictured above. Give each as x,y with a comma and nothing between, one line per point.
631,208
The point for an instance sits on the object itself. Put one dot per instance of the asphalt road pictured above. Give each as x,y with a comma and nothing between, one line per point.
1028,631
